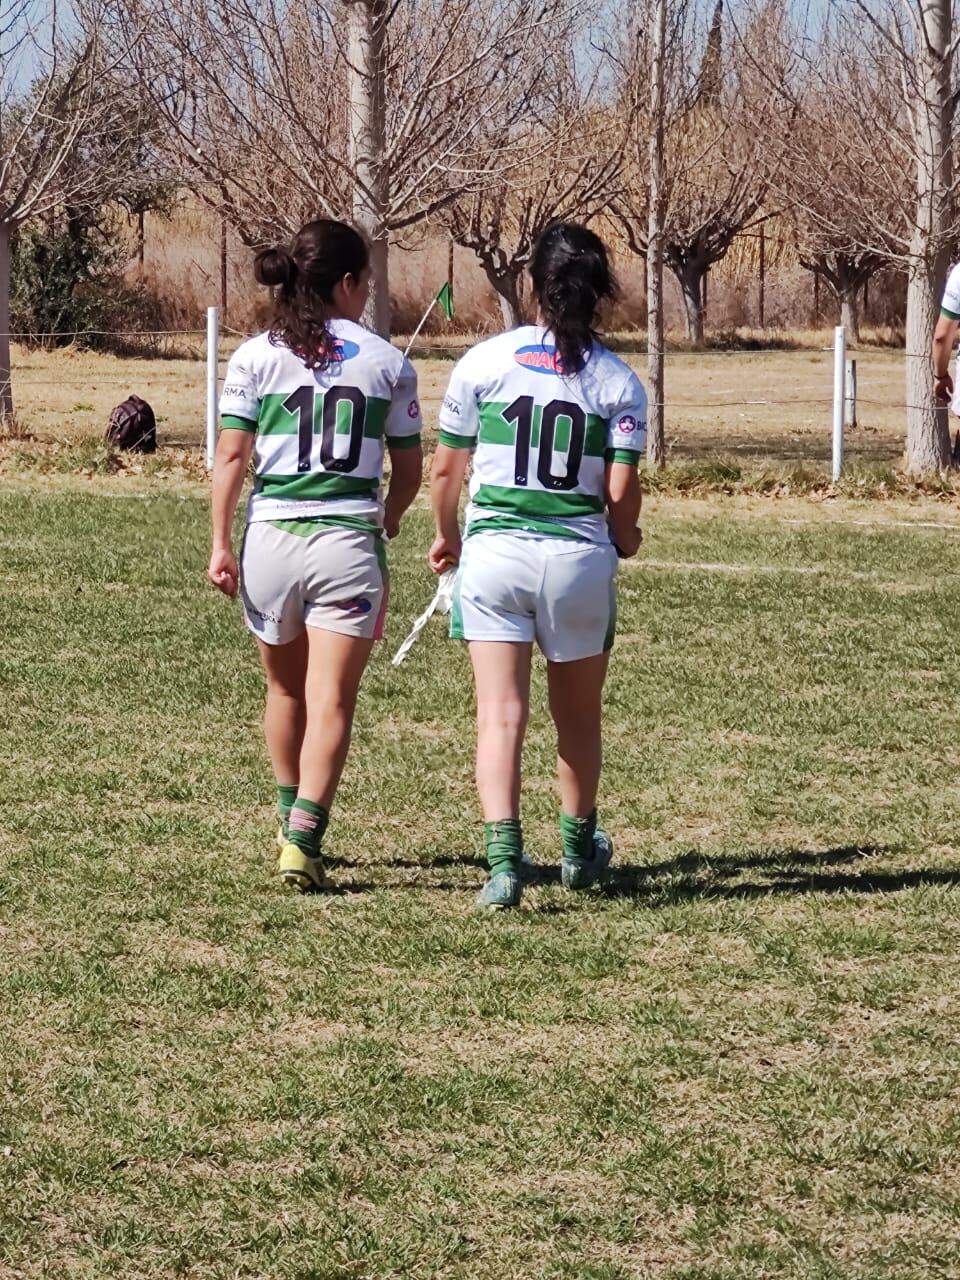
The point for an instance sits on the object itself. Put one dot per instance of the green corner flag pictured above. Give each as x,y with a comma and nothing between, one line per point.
445,298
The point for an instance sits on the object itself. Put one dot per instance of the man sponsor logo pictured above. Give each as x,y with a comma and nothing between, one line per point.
358,607
627,424
235,393
451,406
540,359
413,409
342,349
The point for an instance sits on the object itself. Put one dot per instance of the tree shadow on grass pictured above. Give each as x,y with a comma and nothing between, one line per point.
846,869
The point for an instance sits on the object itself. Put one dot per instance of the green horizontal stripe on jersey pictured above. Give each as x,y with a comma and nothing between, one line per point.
630,456
535,502
494,429
950,315
275,420
315,486
404,442
230,422
312,524
453,441
524,524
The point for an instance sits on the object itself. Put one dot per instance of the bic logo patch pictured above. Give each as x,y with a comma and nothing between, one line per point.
358,607
627,424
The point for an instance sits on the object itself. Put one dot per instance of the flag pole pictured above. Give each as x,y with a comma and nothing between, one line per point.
423,321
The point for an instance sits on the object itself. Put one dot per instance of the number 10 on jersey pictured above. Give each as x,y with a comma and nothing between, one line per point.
302,405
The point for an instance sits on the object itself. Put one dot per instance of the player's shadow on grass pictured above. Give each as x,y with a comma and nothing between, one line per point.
847,869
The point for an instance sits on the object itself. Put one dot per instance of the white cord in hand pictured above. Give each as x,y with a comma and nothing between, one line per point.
442,602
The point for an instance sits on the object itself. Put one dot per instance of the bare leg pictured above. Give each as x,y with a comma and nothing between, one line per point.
335,666
285,713
502,674
576,696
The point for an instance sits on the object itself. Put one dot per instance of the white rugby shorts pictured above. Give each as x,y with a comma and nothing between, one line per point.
333,578
522,588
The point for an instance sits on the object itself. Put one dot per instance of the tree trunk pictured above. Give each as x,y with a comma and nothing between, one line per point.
928,433
656,435
850,311
506,286
691,280
928,436
6,388
367,21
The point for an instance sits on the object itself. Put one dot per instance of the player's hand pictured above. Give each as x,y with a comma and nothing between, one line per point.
627,542
223,571
391,525
943,388
445,553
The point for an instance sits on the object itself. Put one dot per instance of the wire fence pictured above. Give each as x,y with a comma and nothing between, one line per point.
770,403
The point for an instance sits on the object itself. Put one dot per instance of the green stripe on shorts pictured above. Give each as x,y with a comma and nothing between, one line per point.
456,613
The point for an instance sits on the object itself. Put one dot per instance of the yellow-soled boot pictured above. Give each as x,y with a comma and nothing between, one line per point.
300,871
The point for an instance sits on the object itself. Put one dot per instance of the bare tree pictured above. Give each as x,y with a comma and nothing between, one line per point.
354,108
874,84
717,162
562,163
69,101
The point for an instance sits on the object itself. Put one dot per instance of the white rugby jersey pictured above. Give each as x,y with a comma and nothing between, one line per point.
542,438
320,433
951,295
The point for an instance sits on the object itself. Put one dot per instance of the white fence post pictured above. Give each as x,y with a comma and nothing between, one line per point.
850,399
213,353
839,388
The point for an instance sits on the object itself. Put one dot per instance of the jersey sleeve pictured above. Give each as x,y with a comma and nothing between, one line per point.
240,398
951,296
403,425
459,414
627,426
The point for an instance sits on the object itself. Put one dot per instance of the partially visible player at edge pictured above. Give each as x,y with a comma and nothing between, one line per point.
945,339
312,401
558,425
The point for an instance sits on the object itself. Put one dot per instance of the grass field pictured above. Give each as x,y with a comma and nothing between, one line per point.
741,1060
759,407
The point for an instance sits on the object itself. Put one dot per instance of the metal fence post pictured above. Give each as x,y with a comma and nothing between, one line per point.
839,388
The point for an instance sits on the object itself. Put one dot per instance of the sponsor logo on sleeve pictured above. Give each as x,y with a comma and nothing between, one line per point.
541,359
235,393
627,423
451,406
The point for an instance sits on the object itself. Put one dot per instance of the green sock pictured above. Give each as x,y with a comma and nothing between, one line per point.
504,841
307,824
577,836
285,798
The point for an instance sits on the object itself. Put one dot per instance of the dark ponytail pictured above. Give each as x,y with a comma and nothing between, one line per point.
306,273
572,276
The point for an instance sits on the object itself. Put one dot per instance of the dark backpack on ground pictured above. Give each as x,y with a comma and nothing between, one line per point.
133,426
